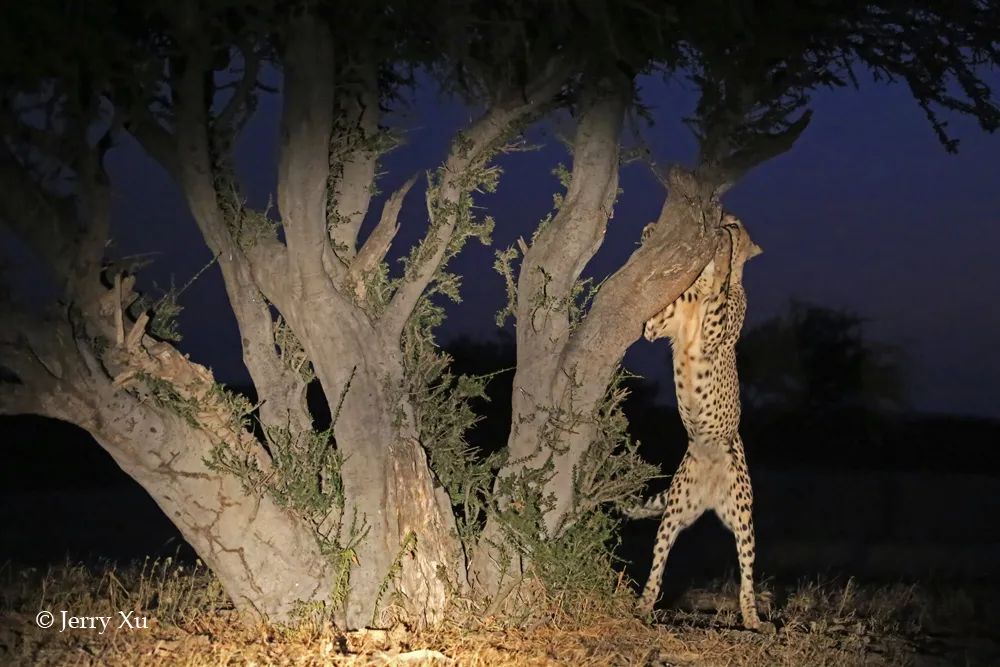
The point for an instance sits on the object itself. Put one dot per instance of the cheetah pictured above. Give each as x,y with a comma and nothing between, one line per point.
703,325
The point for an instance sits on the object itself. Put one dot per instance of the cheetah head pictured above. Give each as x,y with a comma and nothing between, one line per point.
744,249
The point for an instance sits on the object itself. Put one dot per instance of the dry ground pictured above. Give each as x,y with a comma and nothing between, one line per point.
191,623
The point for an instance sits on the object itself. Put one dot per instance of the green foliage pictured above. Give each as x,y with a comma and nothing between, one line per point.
291,351
240,464
164,311
166,396
304,477
580,297
379,288
579,559
406,548
524,506
565,177
455,214
233,457
305,472
342,551
250,226
577,556
612,471
504,263
817,359
443,415
504,266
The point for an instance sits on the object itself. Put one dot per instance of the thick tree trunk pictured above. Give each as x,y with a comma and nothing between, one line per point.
410,543
266,558
564,367
410,539
316,274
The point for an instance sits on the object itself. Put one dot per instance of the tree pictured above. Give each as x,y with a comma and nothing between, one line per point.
253,509
754,65
814,359
382,501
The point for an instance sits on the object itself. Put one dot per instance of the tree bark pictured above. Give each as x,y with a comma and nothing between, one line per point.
267,559
564,367
410,542
314,276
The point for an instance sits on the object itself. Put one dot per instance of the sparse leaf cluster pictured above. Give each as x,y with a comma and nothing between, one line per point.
443,412
291,351
577,557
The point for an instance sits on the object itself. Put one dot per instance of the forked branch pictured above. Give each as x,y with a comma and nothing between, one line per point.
236,112
470,152
377,245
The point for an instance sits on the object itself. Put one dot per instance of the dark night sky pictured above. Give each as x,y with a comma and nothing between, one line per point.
867,212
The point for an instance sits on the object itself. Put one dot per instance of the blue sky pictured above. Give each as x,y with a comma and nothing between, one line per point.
867,212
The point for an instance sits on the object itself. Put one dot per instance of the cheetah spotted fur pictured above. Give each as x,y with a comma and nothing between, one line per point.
703,325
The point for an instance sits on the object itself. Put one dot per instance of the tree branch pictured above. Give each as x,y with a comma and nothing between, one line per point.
470,151
303,167
41,219
354,164
267,260
196,173
681,243
159,143
377,245
94,200
281,389
758,148
563,248
231,118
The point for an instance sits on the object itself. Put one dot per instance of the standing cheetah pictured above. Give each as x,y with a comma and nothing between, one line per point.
703,325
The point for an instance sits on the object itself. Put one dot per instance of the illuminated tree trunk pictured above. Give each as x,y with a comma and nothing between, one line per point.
164,419
568,354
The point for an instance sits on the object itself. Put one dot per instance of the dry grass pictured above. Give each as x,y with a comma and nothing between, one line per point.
191,623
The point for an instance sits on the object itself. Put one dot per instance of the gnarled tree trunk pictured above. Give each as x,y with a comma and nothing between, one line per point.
566,360
160,417
396,525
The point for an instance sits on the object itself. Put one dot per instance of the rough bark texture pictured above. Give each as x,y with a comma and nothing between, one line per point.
136,391
387,483
266,558
563,366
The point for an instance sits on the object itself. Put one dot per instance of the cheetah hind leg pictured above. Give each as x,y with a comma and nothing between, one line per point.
683,507
736,514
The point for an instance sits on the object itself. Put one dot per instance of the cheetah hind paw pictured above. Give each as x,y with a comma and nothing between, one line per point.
640,511
643,611
760,627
